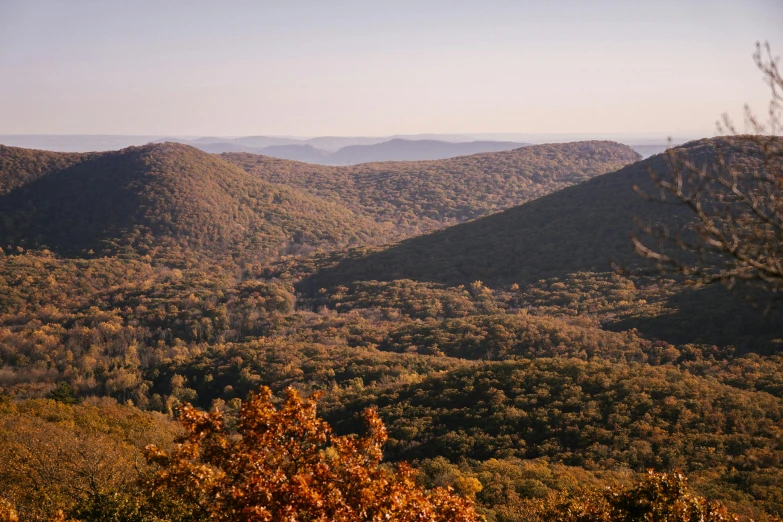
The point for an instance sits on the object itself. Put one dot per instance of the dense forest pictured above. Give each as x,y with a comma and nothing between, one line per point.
426,195
506,358
583,227
164,197
158,199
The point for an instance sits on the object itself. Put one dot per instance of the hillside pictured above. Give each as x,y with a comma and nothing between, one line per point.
143,199
164,195
584,227
594,415
422,196
21,166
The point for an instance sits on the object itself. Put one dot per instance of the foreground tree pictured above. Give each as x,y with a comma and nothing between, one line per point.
285,464
736,196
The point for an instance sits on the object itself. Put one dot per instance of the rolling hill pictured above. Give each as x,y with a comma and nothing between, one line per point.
583,227
21,166
175,196
426,195
164,195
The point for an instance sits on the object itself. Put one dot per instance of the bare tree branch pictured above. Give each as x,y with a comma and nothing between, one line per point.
735,197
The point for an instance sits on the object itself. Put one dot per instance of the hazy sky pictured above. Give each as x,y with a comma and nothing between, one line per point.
290,67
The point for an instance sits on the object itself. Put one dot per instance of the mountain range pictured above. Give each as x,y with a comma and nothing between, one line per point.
161,196
418,196
392,150
329,150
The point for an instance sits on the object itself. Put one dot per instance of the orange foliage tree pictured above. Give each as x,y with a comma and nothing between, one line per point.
283,463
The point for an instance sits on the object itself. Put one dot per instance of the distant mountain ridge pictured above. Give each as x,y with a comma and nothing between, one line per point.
323,150
415,150
396,149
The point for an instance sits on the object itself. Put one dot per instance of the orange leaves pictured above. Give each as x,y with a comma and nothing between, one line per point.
7,512
285,464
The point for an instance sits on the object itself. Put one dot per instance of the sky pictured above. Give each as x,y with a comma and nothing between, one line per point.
376,68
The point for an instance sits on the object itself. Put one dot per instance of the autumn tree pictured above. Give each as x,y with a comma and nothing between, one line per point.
283,463
736,197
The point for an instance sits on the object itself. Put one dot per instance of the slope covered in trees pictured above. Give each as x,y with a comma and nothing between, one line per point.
21,166
57,455
584,227
485,379
426,195
594,415
164,196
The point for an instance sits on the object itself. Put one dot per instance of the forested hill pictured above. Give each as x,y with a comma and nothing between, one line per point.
584,227
161,198
426,195
21,166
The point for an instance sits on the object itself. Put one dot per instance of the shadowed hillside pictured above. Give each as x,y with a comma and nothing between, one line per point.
173,196
164,195
422,196
21,166
584,227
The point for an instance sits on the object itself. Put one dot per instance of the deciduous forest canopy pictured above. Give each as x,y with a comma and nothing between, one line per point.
505,358
188,336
